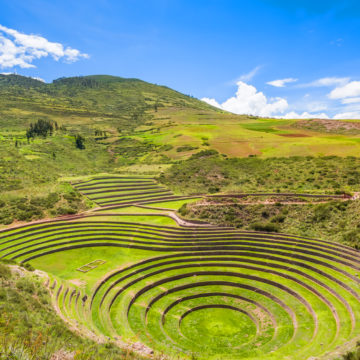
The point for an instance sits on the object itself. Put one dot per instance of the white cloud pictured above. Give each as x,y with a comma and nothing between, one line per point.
18,49
352,100
281,82
351,89
32,77
38,78
327,81
248,100
304,115
348,115
250,75
212,102
341,101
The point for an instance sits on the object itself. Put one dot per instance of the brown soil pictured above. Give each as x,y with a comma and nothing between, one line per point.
330,125
78,282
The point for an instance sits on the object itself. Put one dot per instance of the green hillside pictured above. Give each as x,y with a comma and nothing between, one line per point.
156,219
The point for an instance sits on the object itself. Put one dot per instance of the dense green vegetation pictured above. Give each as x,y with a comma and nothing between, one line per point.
183,283
31,330
74,126
130,271
65,201
208,172
111,97
334,220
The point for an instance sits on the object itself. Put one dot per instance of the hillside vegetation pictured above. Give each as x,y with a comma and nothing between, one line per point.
334,220
31,330
208,172
100,110
169,228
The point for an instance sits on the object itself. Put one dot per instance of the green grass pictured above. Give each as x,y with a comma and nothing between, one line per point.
282,296
30,328
211,173
334,220
185,292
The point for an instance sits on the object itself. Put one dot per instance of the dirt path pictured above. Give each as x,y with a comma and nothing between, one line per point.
183,222
266,202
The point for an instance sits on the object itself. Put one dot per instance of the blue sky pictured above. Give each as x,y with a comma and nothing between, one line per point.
234,54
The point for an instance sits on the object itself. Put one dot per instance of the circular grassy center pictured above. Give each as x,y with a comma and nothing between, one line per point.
218,328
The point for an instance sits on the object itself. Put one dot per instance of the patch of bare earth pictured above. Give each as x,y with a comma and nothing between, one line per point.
329,125
63,355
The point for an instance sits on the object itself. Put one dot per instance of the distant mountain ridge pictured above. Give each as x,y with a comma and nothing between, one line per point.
100,93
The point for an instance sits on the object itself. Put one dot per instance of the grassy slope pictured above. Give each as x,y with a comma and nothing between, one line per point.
221,327
241,136
143,124
335,220
114,106
147,129
79,105
30,328
210,173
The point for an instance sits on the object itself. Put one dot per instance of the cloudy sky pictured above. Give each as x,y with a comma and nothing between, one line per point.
275,58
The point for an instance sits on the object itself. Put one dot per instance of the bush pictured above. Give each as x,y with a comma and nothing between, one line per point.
5,272
213,189
204,154
28,267
268,227
322,212
186,148
66,211
183,209
79,142
352,237
278,219
25,285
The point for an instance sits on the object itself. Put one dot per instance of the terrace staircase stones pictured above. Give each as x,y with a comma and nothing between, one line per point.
113,191
290,290
203,291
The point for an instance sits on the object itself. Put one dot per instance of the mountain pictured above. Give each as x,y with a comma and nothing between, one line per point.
97,95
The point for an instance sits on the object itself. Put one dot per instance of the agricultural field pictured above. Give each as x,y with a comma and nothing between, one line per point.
189,131
151,282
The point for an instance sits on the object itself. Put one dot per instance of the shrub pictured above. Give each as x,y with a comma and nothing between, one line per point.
5,272
79,142
278,219
352,237
204,154
28,267
25,285
268,227
66,211
183,209
213,189
322,212
185,148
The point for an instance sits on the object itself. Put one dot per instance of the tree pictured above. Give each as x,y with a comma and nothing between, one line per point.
40,128
79,142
